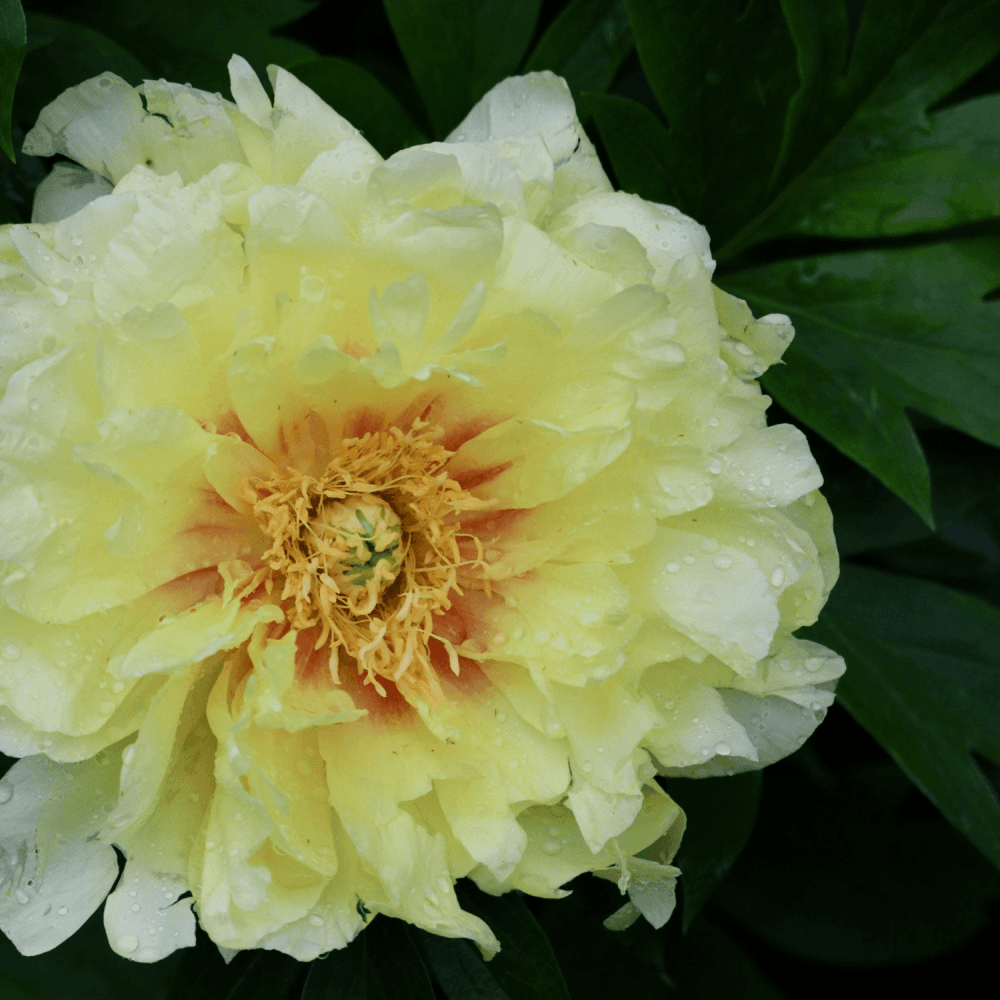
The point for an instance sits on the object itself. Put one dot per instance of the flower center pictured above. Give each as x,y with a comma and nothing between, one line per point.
368,553
359,545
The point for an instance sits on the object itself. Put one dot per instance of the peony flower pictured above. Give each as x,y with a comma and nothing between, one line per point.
369,525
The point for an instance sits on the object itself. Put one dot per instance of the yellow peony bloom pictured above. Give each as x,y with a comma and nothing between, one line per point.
368,525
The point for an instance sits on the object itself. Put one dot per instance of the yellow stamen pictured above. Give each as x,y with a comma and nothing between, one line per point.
369,551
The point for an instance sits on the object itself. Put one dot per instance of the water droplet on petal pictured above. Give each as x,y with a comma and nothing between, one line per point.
723,749
128,944
551,847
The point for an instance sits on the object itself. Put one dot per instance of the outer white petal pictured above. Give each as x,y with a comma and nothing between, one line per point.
771,467
103,125
715,594
54,872
776,727
667,234
524,106
143,917
65,191
518,112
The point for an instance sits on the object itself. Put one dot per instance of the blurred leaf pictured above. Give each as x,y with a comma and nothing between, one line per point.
585,44
639,145
720,816
841,872
380,964
64,54
357,95
892,169
191,41
881,330
87,961
459,969
458,49
261,975
709,963
965,551
723,72
526,967
924,679
13,45
599,963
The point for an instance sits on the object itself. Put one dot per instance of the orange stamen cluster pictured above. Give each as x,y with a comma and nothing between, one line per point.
369,552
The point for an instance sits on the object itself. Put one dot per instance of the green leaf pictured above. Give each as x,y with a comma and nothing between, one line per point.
87,962
600,962
363,100
723,72
896,168
381,964
13,45
843,869
585,44
866,516
639,145
526,967
458,49
459,969
924,679
720,816
881,330
866,97
829,383
192,41
915,180
965,551
709,963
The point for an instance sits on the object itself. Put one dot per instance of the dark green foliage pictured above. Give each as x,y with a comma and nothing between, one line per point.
13,44
845,158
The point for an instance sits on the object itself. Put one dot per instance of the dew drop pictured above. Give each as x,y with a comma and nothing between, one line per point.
21,896
10,651
588,766
777,577
128,944
723,749
672,567
316,920
722,562
136,907
551,847
62,911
